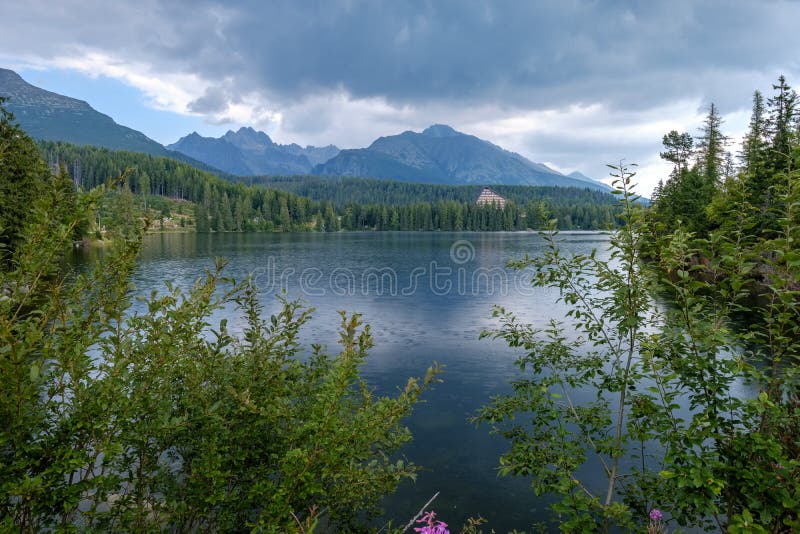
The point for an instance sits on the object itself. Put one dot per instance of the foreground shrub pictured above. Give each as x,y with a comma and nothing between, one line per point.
631,402
119,421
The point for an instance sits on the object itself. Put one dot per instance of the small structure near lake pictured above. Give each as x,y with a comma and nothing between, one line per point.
488,196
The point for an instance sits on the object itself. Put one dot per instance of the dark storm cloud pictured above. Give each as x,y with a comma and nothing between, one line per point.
530,54
523,53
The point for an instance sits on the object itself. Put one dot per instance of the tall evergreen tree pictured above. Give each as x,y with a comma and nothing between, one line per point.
778,158
711,148
783,109
657,192
754,146
201,218
22,176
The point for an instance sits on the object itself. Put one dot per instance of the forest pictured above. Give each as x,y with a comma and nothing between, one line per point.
390,205
223,206
344,190
711,189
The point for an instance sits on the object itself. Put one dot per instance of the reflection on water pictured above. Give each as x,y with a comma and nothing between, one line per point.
459,277
427,296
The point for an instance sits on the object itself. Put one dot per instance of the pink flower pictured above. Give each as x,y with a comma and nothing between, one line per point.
430,526
656,515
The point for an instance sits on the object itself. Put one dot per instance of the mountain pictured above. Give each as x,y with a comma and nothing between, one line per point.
248,152
442,155
54,117
438,155
216,152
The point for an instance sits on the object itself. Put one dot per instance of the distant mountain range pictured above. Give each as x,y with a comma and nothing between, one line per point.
247,152
438,155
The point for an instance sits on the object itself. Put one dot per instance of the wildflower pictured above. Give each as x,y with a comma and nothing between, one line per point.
656,525
430,526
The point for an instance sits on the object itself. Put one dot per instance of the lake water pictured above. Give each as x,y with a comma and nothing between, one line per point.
427,296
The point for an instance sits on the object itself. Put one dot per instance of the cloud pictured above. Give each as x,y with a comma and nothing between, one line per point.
572,82
528,54
213,101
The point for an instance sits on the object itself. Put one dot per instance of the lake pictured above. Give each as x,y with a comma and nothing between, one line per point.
427,297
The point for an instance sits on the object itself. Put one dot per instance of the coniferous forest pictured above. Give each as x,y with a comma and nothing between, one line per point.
311,203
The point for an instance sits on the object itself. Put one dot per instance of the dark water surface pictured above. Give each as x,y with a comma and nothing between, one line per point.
427,296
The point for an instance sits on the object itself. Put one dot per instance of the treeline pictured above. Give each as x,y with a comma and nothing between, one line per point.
454,215
711,189
371,202
219,205
352,204
347,189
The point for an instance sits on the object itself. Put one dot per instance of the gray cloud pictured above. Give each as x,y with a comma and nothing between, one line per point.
215,100
450,56
534,54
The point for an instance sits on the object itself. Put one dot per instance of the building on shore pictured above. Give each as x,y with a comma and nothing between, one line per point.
488,196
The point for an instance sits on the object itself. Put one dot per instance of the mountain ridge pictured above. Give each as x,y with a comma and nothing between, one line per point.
442,155
50,116
248,152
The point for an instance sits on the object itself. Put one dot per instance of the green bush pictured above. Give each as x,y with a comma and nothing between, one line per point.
118,421
648,395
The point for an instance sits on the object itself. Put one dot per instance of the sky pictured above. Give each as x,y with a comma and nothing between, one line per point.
570,83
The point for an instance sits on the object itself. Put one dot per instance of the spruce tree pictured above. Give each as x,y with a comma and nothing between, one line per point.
754,146
201,218
711,147
783,109
22,177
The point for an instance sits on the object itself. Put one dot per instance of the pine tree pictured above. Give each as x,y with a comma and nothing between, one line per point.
284,218
227,214
657,191
217,222
678,150
201,218
331,221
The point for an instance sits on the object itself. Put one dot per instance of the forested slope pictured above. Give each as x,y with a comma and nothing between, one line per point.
349,204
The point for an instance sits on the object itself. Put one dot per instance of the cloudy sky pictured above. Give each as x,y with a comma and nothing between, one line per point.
574,84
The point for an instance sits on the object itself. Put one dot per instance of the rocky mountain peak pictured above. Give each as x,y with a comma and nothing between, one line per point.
440,130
